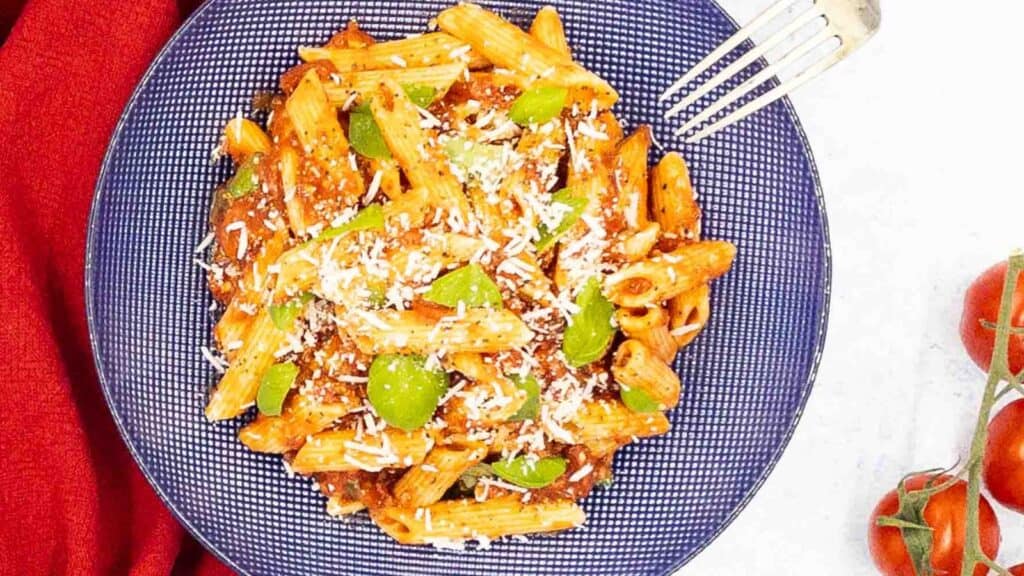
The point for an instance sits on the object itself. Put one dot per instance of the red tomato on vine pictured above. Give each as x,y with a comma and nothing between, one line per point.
981,304
945,513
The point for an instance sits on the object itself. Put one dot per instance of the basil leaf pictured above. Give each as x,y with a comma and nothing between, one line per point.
638,400
590,330
364,134
470,477
420,94
573,209
469,285
521,472
369,218
538,105
274,386
283,315
403,391
531,407
245,181
472,157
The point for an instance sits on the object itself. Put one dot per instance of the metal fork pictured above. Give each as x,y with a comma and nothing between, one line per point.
852,22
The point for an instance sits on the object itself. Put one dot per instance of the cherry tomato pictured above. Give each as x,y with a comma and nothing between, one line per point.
1017,570
982,303
947,515
1003,469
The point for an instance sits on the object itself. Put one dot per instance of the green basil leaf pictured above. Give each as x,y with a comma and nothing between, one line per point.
245,181
283,315
538,105
521,472
470,477
590,330
638,400
274,386
420,94
469,285
574,208
369,218
531,407
364,134
403,391
472,156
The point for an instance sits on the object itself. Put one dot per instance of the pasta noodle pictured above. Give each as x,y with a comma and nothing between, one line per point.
466,519
424,50
649,325
507,46
663,277
547,27
425,484
636,366
302,417
344,451
409,332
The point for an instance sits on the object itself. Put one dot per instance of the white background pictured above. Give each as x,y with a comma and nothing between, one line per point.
917,138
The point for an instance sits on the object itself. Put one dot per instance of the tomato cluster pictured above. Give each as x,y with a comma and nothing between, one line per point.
1003,468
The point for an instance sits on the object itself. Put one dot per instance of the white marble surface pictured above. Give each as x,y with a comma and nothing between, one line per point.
917,138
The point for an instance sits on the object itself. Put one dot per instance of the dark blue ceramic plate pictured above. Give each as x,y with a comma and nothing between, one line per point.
746,378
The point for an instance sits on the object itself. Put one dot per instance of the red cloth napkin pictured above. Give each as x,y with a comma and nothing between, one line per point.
72,501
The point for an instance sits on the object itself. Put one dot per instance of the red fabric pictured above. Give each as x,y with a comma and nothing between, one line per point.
72,501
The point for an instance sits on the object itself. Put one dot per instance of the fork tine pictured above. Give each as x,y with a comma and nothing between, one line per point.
727,46
747,59
756,80
770,96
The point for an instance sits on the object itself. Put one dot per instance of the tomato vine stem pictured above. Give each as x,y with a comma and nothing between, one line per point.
999,371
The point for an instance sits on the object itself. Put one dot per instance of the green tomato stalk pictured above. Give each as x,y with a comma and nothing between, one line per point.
917,535
999,372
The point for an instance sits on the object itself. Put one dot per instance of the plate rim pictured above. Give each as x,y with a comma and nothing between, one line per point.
821,330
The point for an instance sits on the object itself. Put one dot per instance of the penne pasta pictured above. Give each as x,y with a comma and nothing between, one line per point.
426,483
506,46
236,390
637,245
665,276
672,198
315,121
399,122
410,332
232,328
547,28
301,417
313,117
631,178
610,419
689,313
364,83
425,50
462,519
649,325
244,138
636,366
347,451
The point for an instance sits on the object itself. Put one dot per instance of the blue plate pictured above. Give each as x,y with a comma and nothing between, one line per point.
746,378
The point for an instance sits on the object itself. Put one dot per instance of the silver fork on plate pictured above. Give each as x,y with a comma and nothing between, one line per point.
852,22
